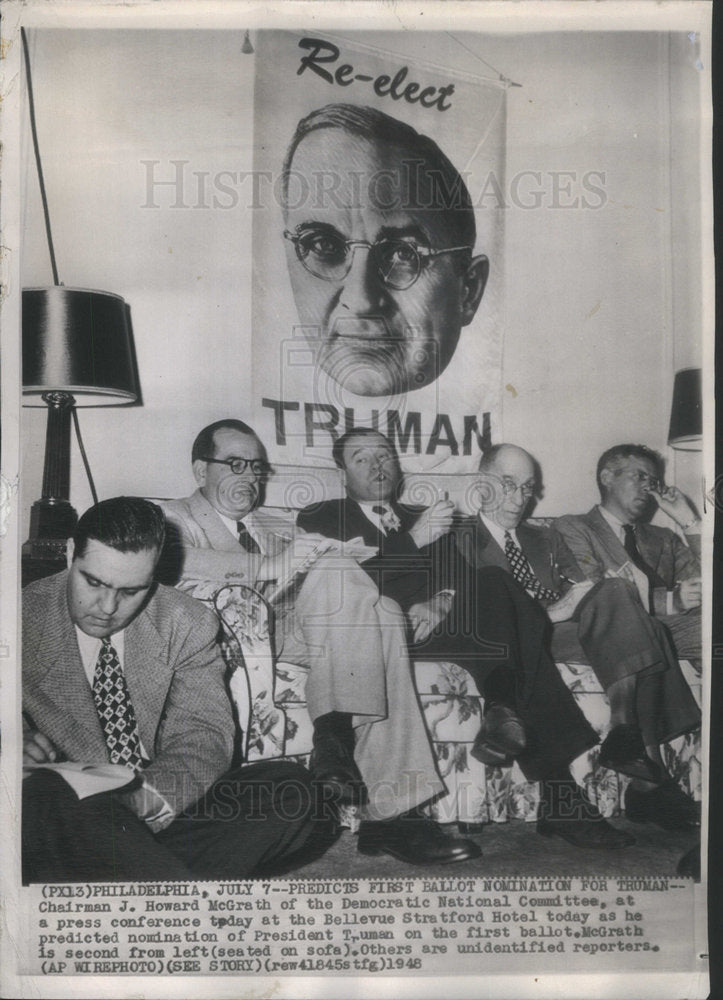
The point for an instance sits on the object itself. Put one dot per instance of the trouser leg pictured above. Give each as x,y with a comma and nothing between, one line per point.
97,839
499,632
355,644
250,818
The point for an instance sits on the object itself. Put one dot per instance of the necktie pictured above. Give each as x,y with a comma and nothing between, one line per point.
631,547
246,541
390,521
522,572
115,709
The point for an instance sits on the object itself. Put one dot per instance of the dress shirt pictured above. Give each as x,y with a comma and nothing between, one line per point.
250,527
90,647
498,532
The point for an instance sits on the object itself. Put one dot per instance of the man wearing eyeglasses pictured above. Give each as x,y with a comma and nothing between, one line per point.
599,619
479,618
381,261
370,743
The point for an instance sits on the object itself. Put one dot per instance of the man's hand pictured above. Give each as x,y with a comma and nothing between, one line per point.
425,616
435,522
688,594
302,551
676,505
37,748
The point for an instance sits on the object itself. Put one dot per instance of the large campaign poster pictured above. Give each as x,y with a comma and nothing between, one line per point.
377,249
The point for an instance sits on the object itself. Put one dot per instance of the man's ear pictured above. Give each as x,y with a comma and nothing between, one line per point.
69,550
606,477
474,281
199,472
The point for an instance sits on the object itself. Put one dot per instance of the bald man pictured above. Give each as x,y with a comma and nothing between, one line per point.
602,623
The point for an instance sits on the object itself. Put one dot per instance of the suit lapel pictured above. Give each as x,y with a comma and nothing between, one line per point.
535,546
64,705
218,535
148,674
487,550
614,548
355,522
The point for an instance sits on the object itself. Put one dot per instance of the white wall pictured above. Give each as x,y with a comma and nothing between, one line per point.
600,312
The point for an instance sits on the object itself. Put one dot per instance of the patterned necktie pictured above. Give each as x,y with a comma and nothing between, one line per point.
390,521
115,709
522,572
246,540
631,547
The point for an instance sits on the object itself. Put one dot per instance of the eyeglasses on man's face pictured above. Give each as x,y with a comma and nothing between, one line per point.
326,254
239,465
640,478
510,487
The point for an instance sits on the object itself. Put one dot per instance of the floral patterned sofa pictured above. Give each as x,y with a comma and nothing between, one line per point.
274,722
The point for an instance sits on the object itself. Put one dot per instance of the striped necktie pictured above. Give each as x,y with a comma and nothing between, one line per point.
115,709
523,573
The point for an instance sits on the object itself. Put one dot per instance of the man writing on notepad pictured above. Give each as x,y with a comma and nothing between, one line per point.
120,670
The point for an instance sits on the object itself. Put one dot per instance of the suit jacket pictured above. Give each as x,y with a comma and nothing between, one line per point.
200,547
597,549
174,671
401,570
551,560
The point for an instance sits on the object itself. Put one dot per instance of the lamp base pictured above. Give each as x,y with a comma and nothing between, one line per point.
52,522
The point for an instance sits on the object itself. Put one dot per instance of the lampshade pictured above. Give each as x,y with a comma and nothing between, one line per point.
79,342
686,413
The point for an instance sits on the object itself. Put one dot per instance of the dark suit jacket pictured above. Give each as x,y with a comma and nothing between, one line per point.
174,672
401,570
596,549
552,562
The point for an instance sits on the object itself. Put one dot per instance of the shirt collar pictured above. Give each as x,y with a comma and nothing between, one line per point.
89,647
250,527
615,523
497,531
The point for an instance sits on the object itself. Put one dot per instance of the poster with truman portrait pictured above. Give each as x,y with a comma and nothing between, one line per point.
377,248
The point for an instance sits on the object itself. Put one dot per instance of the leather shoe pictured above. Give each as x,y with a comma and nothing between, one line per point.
501,737
566,812
416,841
666,806
623,751
332,765
474,828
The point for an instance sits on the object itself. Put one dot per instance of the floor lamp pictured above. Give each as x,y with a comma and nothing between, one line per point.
77,351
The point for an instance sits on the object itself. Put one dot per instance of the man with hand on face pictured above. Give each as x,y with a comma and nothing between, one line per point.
614,539
371,746
479,618
117,669
382,265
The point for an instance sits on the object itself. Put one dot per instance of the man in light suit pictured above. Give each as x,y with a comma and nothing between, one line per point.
614,539
371,746
118,669
478,618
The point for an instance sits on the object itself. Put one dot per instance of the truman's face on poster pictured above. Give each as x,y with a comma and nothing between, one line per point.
369,336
